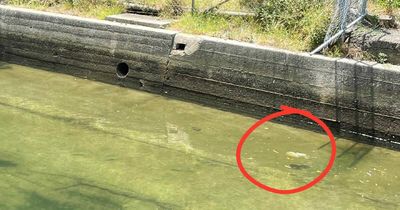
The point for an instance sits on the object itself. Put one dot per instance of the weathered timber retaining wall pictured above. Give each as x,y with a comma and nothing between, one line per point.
357,97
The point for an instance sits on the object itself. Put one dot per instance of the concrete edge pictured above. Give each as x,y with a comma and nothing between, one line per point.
51,15
202,38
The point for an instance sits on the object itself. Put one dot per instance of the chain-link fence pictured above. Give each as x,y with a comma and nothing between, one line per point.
346,14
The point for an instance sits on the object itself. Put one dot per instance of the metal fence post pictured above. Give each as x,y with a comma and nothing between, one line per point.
339,23
363,7
193,6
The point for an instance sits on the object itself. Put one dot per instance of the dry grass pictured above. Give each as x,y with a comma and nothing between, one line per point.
232,5
378,7
88,8
304,35
237,28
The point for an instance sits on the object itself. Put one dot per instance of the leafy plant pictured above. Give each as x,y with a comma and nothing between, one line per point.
287,13
307,20
388,5
382,58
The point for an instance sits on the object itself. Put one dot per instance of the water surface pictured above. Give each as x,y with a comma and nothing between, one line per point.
70,143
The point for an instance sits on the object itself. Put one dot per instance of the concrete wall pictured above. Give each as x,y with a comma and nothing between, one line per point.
84,44
361,97
375,41
357,97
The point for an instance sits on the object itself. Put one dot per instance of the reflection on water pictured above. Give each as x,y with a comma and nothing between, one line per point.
69,143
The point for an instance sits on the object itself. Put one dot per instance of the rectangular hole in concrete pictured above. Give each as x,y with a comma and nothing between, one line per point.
180,46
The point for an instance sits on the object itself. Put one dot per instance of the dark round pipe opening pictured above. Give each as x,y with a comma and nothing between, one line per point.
122,70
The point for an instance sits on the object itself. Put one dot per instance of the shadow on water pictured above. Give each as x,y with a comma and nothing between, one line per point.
75,201
84,194
7,164
35,201
357,151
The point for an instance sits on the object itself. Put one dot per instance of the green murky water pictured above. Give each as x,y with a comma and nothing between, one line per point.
69,143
